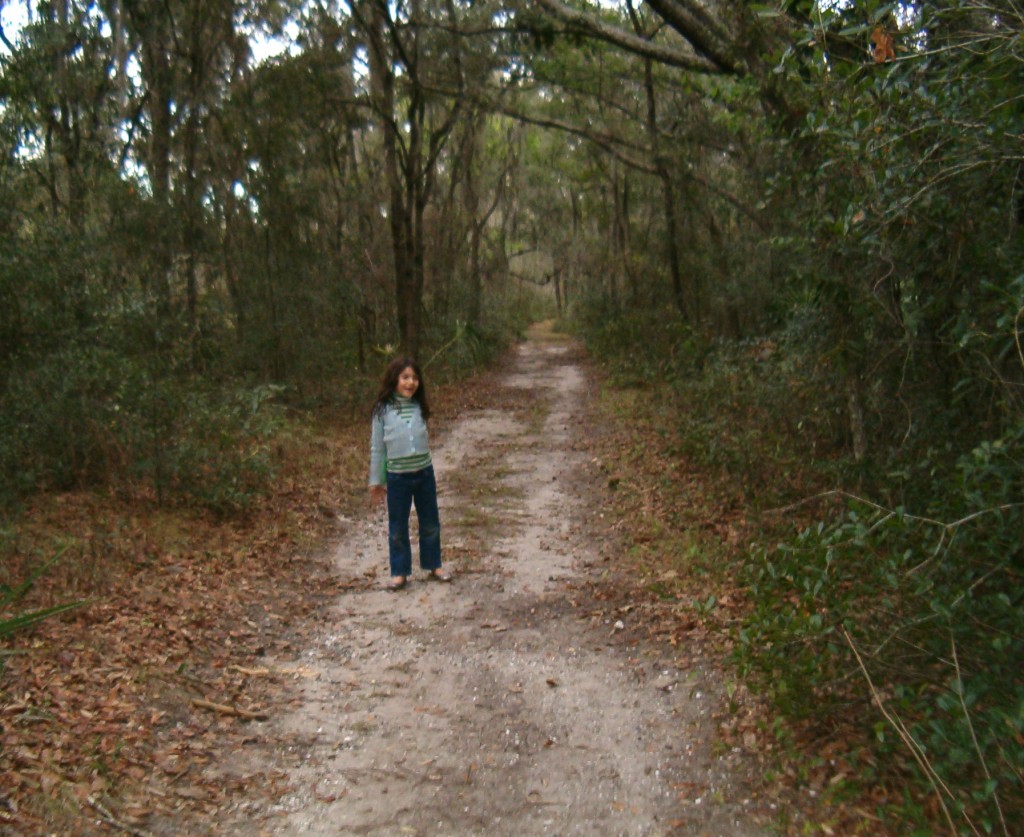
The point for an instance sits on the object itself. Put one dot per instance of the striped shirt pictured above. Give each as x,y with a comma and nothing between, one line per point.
398,442
408,410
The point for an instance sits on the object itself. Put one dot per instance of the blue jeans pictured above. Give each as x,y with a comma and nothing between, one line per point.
404,490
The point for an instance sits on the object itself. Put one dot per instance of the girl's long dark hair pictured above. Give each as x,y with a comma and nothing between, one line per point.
387,387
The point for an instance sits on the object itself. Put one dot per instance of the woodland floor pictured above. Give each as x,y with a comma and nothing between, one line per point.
275,687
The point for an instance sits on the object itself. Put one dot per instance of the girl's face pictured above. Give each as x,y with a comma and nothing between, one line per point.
408,383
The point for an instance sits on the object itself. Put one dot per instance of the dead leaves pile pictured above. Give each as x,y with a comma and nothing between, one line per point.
110,716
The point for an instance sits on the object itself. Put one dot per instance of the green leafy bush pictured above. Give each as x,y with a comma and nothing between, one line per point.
207,445
91,415
920,614
639,344
755,411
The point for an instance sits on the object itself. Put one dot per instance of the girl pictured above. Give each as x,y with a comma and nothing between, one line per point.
400,459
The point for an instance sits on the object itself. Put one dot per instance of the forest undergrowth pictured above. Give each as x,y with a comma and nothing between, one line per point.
876,634
162,664
163,657
684,529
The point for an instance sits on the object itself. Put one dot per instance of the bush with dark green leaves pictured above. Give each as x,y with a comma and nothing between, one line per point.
91,415
910,624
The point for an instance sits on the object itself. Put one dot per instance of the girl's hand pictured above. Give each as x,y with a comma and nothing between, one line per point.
378,493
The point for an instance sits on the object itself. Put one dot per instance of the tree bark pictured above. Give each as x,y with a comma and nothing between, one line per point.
411,146
668,194
382,86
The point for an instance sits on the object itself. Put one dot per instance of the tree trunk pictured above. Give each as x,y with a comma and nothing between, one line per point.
382,87
158,162
410,175
668,194
855,413
472,207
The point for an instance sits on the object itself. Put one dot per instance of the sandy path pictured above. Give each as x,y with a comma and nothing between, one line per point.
493,705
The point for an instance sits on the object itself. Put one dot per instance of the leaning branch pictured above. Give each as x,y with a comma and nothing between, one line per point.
606,142
592,26
938,786
4,40
704,33
616,147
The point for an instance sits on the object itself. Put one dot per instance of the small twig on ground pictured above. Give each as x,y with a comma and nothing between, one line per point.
112,821
250,672
225,709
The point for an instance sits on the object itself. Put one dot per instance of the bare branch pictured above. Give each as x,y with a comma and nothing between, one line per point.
974,737
938,786
611,144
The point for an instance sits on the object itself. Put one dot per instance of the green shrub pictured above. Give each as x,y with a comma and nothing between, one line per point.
91,415
757,412
638,344
206,445
921,611
57,417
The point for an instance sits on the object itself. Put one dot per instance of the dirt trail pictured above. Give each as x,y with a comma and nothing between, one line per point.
492,705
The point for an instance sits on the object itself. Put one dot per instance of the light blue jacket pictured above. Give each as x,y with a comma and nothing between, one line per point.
391,438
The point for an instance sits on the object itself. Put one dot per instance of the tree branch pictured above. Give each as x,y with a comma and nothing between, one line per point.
4,40
705,34
608,143
595,28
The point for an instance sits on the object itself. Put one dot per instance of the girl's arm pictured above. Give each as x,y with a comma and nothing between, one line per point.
378,454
